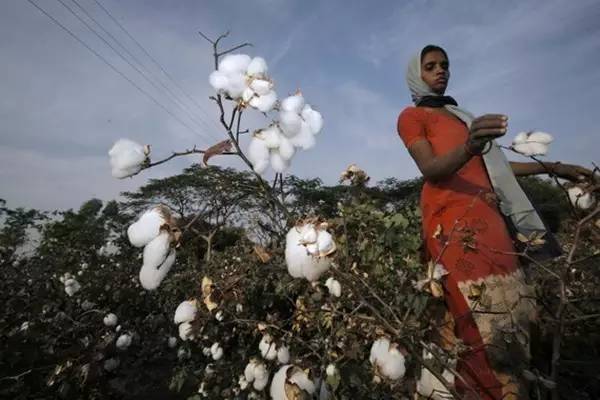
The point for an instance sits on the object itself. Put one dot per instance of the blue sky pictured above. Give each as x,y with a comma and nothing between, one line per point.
62,108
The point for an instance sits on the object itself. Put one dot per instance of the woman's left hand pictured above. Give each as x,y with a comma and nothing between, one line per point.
573,173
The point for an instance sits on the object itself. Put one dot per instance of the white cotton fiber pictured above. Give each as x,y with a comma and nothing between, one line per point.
293,103
124,341
257,67
157,250
218,80
299,262
304,139
278,163
236,85
325,243
261,86
248,94
110,320
313,118
334,287
258,154
272,136
283,355
146,228
186,311
264,103
388,359
286,148
151,277
430,386
185,331
540,137
234,63
579,198
290,123
127,158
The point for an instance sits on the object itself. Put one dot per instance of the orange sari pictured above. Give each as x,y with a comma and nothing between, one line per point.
485,290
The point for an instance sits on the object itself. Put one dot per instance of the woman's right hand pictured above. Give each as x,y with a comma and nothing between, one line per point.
486,128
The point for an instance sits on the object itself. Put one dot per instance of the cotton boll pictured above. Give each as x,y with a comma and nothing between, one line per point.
272,137
127,157
430,386
111,364
258,153
278,163
72,287
325,243
151,278
146,228
260,384
216,351
300,264
186,331
540,137
157,250
313,118
286,148
257,67
277,389
261,166
520,138
315,268
110,319
290,123
293,103
186,311
261,377
379,350
304,139
234,63
218,80
334,287
579,198
264,103
308,234
123,341
243,382
249,371
172,342
393,365
331,370
283,355
248,94
236,84
267,348
261,86
300,378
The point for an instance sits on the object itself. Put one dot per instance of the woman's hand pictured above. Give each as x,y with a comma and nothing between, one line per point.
573,173
485,128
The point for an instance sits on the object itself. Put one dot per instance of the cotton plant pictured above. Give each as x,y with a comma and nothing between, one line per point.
291,382
128,158
532,143
580,198
110,320
256,373
387,359
156,230
308,250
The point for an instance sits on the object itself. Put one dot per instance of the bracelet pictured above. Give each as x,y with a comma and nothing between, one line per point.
484,151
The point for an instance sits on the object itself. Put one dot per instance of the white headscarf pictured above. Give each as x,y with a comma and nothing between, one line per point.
513,202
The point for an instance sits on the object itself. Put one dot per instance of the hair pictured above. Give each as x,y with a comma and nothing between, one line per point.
431,47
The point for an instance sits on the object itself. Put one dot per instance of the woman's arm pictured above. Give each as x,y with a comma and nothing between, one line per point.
436,167
566,171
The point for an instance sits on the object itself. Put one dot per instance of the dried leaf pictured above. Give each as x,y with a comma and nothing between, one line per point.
207,291
216,149
262,254
438,231
476,291
436,289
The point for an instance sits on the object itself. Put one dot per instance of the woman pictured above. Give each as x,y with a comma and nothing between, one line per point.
468,183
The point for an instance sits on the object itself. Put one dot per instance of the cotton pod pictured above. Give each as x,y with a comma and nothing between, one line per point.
264,102
334,287
261,86
293,103
290,123
300,263
234,63
236,85
123,341
258,154
580,198
532,143
158,261
127,158
431,387
72,287
218,80
325,243
290,383
147,227
304,139
216,351
110,320
313,118
257,373
272,136
286,148
387,359
186,331
186,311
172,342
257,67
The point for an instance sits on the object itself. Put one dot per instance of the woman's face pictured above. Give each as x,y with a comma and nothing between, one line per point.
435,71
